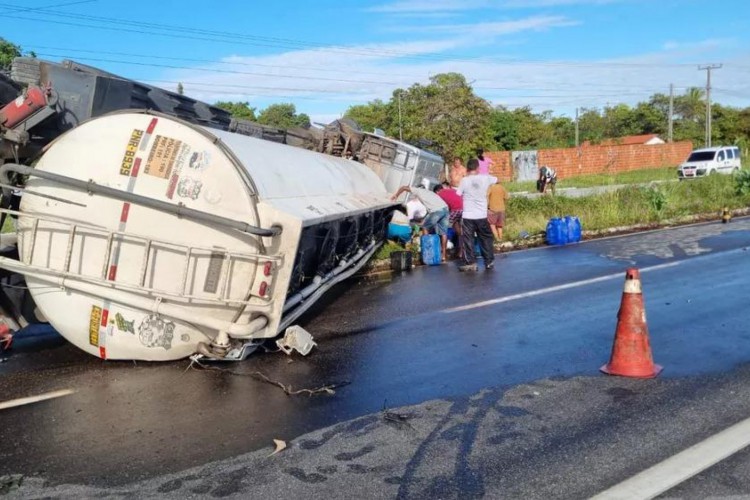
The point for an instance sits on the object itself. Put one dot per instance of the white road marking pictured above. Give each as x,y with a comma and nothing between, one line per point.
557,288
666,475
35,399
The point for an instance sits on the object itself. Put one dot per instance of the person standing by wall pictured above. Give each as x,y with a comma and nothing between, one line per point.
496,198
473,189
484,162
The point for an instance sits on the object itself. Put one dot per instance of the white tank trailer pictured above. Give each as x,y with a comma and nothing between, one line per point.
144,237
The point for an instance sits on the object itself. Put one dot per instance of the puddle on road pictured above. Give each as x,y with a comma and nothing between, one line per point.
675,243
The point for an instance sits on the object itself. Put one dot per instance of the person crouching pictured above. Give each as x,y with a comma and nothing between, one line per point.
437,214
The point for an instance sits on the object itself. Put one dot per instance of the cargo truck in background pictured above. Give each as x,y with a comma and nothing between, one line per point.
154,235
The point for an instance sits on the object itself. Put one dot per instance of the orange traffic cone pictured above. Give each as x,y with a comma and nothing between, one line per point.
631,351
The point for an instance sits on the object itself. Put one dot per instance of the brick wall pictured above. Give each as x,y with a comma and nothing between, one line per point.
570,162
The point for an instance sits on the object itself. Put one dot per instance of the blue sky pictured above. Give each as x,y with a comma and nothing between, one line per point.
325,55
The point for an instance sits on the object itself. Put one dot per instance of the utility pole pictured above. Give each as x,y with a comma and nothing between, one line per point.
671,113
400,132
707,68
576,127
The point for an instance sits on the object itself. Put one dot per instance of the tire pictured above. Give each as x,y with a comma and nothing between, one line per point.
713,172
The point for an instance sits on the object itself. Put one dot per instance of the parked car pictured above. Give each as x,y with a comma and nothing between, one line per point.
707,161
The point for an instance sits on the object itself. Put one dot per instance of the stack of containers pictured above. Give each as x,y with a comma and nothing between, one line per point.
563,230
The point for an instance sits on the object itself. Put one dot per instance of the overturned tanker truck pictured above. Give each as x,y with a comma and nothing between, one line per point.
152,236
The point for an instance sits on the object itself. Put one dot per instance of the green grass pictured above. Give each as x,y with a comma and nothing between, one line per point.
8,226
582,181
384,252
628,206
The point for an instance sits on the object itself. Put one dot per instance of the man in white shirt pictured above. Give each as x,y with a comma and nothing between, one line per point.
473,188
437,213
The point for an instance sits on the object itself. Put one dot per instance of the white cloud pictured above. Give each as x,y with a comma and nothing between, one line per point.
534,4
403,6
324,82
700,45
499,28
427,6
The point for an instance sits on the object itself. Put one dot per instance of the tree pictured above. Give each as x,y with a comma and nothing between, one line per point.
590,125
504,129
691,106
8,52
529,126
619,121
283,116
447,113
237,109
374,114
564,132
728,126
650,119
180,89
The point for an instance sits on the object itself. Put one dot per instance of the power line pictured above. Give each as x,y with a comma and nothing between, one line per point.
218,70
324,69
297,77
172,31
36,9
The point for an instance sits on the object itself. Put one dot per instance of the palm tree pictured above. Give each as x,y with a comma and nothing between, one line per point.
691,106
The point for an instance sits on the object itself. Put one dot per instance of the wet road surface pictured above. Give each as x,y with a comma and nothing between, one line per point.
400,340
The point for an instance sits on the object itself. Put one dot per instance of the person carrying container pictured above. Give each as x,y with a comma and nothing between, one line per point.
437,213
547,179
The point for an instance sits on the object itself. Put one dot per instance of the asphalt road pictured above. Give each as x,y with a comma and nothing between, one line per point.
497,374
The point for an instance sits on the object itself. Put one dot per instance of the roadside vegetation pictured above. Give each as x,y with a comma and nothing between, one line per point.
633,177
654,204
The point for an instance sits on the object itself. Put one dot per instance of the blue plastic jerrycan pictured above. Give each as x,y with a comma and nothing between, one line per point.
557,231
430,244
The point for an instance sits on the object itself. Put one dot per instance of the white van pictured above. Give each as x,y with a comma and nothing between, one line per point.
707,161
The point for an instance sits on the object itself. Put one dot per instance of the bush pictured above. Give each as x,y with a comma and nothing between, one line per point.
632,205
656,198
742,183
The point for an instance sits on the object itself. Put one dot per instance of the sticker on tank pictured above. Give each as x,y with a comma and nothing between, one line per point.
155,332
163,155
188,187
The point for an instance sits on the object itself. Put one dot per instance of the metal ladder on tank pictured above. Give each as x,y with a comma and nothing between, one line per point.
265,264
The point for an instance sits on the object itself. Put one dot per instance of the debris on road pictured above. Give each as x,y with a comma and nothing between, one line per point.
399,419
297,339
262,377
10,483
280,446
